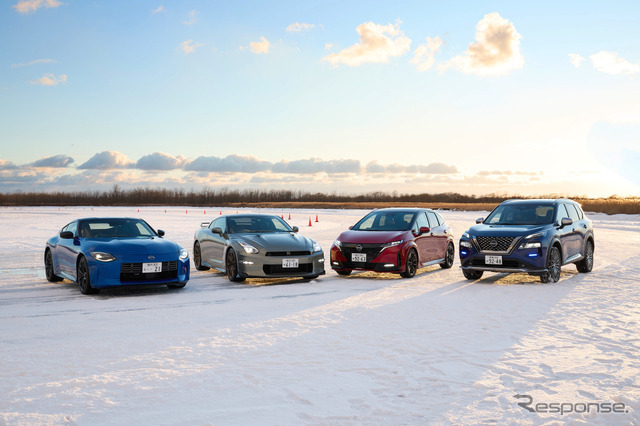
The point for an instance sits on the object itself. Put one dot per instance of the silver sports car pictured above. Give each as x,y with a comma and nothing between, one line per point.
256,245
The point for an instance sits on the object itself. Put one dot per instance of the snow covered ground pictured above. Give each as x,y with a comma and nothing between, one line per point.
366,348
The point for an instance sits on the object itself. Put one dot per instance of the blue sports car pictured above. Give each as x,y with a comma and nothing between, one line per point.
112,252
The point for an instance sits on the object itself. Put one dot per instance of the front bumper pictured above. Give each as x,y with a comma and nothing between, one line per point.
531,261
390,259
126,270
261,266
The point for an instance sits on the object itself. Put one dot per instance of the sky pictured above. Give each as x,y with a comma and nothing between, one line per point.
516,98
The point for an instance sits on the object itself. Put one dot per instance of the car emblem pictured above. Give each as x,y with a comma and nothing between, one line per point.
359,247
151,257
288,253
493,244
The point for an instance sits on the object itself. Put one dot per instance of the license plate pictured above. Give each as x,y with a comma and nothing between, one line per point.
289,263
151,267
358,257
493,260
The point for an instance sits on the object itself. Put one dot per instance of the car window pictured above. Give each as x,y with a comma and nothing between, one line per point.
421,221
573,214
256,224
115,228
440,219
561,213
385,220
579,210
72,227
521,214
433,221
221,223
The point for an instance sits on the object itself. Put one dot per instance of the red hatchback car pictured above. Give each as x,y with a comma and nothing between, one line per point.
396,240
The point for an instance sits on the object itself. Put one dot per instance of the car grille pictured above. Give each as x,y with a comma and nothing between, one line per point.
133,272
287,253
371,250
305,268
495,243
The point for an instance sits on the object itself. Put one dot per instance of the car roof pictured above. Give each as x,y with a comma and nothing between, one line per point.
539,201
106,218
402,209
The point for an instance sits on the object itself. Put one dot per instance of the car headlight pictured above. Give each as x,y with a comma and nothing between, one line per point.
183,254
538,235
531,245
337,243
102,256
316,247
466,244
392,244
466,235
248,248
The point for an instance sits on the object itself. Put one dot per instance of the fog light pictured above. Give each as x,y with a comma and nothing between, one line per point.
336,263
389,265
247,262
462,252
533,254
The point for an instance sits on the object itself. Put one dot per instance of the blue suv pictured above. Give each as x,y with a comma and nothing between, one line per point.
532,236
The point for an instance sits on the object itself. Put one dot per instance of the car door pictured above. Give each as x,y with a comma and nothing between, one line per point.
67,250
564,234
423,241
209,243
219,241
438,235
577,236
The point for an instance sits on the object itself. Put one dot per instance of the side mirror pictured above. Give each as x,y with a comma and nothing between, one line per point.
66,235
160,232
216,231
566,222
424,230
480,220
204,224
295,229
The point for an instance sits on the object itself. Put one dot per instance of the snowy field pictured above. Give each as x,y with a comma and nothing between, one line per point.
373,349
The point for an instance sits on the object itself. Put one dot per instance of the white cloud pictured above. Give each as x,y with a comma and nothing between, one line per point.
108,160
56,161
424,55
231,163
160,161
611,63
158,9
432,168
496,50
29,6
193,18
189,47
576,60
260,47
50,80
37,61
296,27
316,165
378,44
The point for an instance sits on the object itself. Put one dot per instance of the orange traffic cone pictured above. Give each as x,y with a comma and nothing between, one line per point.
289,216
220,212
186,211
205,212
317,218
281,216
310,221
165,210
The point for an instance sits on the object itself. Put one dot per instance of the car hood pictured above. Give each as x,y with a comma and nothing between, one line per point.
147,245
505,230
371,237
276,241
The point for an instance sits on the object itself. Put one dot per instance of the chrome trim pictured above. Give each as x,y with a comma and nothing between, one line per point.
510,270
514,243
432,262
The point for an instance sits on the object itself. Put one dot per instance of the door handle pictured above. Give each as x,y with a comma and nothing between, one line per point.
445,231
584,226
432,234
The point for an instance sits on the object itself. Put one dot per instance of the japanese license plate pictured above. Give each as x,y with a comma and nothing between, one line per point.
358,257
289,263
493,260
151,267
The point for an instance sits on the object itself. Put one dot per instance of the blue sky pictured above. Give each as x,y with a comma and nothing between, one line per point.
472,97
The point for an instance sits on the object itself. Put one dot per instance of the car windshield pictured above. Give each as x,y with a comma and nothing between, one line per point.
114,228
521,214
256,225
385,221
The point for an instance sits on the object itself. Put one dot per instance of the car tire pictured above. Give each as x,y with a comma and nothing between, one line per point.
471,274
586,264
448,257
197,257
411,266
83,277
344,273
554,265
48,267
231,264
